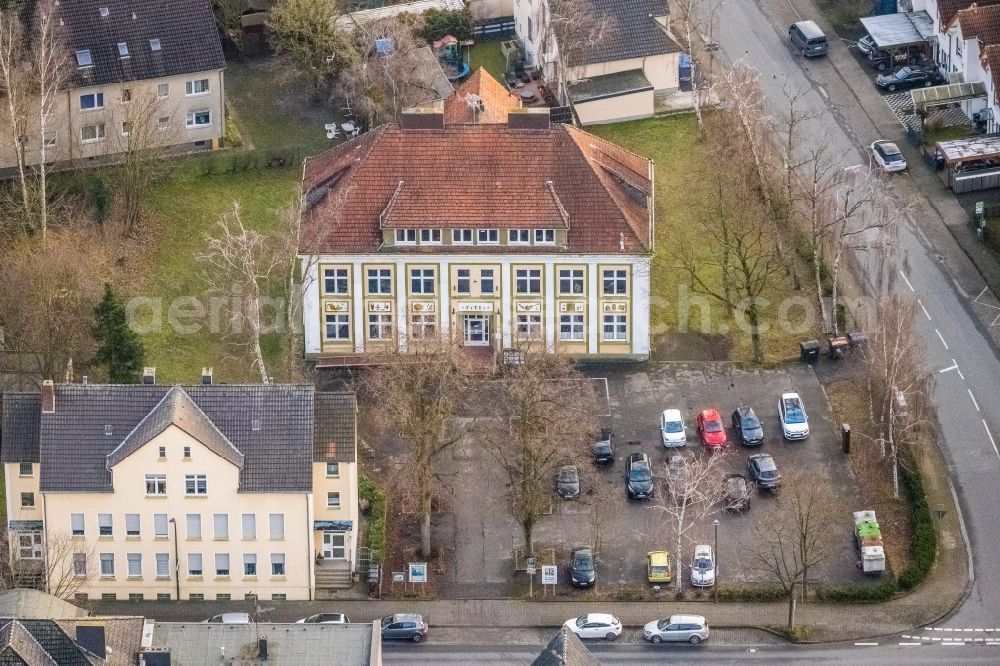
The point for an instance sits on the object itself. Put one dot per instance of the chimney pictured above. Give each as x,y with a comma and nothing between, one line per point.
91,638
426,117
48,397
533,118
149,375
206,376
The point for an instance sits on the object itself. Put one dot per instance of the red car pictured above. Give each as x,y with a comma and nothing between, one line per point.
711,429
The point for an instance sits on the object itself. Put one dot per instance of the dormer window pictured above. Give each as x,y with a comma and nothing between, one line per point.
406,236
430,236
83,58
545,236
122,50
154,45
108,430
488,236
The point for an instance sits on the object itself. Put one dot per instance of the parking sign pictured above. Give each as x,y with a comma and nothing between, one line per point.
550,575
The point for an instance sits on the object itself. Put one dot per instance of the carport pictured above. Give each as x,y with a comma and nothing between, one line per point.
971,97
901,35
972,163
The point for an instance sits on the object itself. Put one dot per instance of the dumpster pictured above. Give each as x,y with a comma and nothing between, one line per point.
809,351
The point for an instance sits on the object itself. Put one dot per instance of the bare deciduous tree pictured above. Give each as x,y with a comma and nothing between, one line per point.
65,566
138,137
568,29
304,34
15,88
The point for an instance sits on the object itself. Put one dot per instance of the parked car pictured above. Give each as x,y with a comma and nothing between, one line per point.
808,38
888,156
639,477
595,625
325,618
747,426
672,430
911,76
678,475
680,628
867,44
794,420
603,450
581,568
763,471
228,618
703,567
568,482
711,429
737,492
658,566
404,627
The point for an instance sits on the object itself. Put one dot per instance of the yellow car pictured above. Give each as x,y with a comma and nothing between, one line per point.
658,566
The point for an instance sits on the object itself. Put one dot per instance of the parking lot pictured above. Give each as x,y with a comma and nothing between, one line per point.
479,533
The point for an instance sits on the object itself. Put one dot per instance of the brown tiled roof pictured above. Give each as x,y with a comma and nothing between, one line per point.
982,23
477,176
991,59
948,9
497,101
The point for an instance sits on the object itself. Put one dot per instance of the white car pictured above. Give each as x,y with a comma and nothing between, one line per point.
228,618
325,618
703,567
672,428
888,156
794,421
595,625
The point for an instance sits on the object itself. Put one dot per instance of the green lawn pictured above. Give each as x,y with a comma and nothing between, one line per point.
488,55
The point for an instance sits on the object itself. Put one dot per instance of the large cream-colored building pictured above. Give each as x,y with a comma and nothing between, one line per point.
184,492
151,70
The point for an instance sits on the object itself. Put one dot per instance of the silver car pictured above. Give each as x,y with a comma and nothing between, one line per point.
678,629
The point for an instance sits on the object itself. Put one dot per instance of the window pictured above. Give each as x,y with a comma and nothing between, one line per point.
422,280
220,522
109,596
461,236
276,522
80,564
528,280
104,525
107,564
162,90
423,326
187,453
571,281
194,564
196,596
131,524
122,50
279,597
27,500
249,564
163,123
201,118
333,470
136,596
222,564
463,283
134,565
571,327
529,327
83,59
76,524
195,484
615,282
50,139
163,596
196,87
160,524
154,45
486,281
616,327
333,500
430,236
249,526
406,236
488,236
545,236
379,280
92,101
26,469
126,127
335,280
163,454
277,564
194,526
126,95
223,597
92,133
156,484
380,326
29,546
338,327
519,236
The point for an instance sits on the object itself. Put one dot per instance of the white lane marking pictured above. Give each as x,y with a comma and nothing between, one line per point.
954,643
977,409
926,313
909,643
941,338
941,372
866,644
908,282
992,441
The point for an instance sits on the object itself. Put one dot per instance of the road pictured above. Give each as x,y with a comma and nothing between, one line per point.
967,387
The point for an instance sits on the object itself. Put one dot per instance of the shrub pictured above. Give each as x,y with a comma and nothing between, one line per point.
856,592
99,195
923,548
375,529
752,593
441,22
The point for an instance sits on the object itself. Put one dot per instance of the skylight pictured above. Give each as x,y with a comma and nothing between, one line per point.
83,58
154,45
104,12
122,50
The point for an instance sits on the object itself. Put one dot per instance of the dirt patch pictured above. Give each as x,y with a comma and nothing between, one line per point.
691,347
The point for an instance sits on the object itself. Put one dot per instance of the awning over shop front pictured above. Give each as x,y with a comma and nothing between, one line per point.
946,94
898,30
970,148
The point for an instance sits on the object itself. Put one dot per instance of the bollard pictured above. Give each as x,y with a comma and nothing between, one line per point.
845,435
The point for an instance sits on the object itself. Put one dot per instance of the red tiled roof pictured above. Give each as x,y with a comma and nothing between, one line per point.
982,23
948,9
497,101
476,176
991,59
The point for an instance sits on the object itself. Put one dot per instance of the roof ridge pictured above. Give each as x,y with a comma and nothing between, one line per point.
22,630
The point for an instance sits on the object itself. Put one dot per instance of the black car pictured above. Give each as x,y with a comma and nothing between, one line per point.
747,426
404,627
910,76
639,477
737,492
763,471
568,482
581,568
603,449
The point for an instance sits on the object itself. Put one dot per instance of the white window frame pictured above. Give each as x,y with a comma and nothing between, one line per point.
341,321
249,559
163,123
532,278
157,483
519,237
84,59
251,523
98,101
30,497
463,276
380,277
279,534
222,565
619,328
109,559
133,525
420,277
77,524
80,565
191,91
529,327
162,565
155,45
333,499
617,278
574,277
123,50
406,236
102,524
161,520
487,275
278,560
430,236
340,275
99,133
423,325
130,560
190,120
488,236
162,91
195,559
50,139
461,237
192,526
545,236
380,326
220,520
333,470
200,488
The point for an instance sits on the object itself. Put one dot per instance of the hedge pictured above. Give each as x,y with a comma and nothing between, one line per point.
923,548
375,529
856,592
752,593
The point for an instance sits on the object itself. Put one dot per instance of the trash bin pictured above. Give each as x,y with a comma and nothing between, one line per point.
838,346
857,338
809,351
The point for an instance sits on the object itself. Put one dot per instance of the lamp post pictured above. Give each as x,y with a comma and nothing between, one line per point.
177,561
715,587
